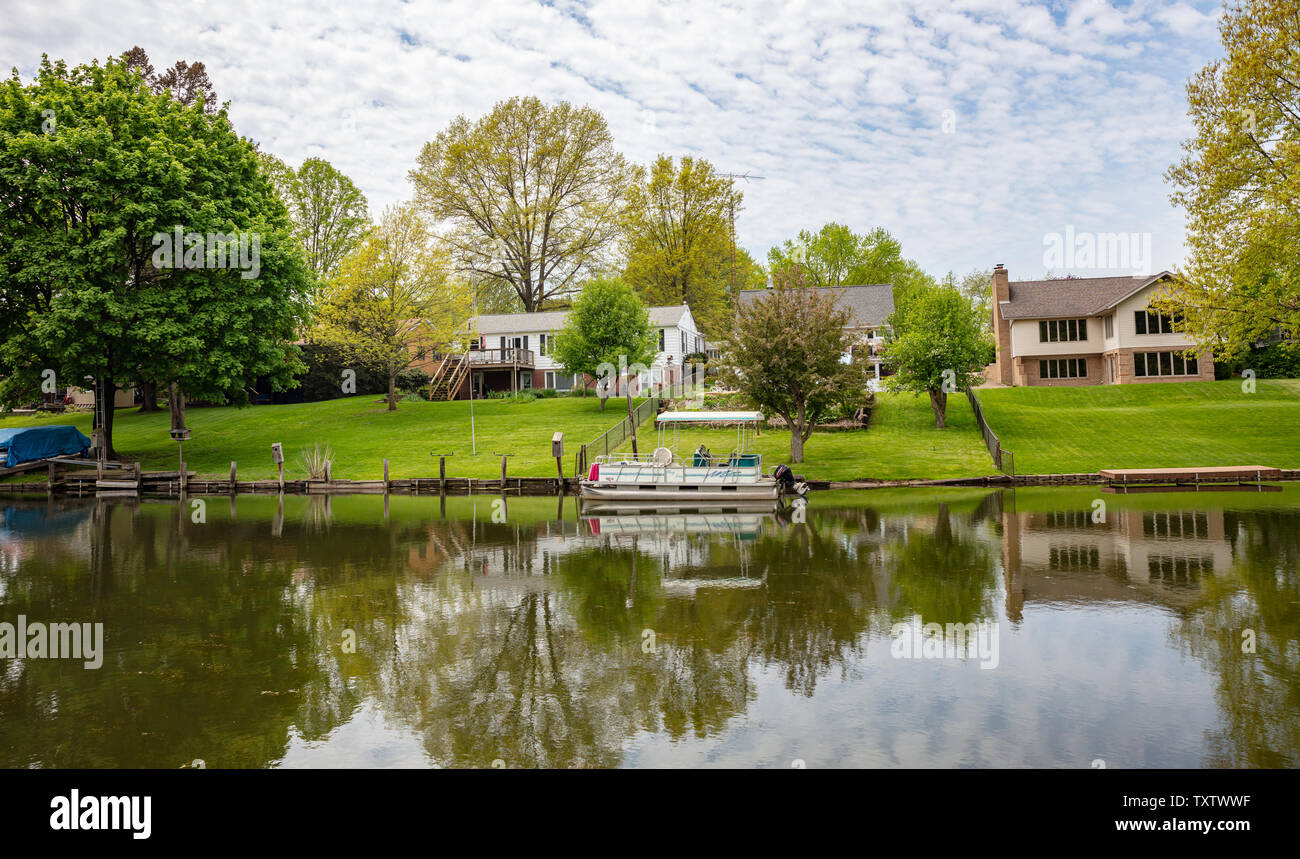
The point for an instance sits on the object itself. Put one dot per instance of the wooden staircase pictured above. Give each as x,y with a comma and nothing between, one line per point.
448,376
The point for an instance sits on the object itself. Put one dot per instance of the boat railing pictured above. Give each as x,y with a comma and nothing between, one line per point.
736,465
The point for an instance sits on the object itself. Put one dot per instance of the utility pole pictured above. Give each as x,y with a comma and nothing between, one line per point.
731,215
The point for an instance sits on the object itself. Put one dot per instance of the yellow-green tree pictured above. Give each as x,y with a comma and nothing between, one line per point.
677,237
393,298
1239,181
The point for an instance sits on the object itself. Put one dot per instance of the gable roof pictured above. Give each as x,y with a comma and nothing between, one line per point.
553,320
1072,296
868,304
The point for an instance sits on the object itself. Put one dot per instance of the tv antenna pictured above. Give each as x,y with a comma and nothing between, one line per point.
731,217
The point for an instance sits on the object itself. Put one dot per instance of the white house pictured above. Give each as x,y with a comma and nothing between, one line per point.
513,351
869,306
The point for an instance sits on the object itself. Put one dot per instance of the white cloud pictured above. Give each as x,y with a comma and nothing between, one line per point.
1066,113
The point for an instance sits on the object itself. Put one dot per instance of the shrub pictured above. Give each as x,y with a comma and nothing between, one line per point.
1277,361
324,378
413,380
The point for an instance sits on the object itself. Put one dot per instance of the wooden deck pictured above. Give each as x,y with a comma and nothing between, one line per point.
1239,474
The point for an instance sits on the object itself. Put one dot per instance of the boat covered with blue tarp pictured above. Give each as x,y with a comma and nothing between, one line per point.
30,444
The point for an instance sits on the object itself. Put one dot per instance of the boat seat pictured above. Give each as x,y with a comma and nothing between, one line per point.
661,457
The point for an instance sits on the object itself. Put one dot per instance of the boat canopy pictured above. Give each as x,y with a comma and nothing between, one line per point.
709,417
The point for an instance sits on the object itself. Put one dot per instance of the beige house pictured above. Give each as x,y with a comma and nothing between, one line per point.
1088,331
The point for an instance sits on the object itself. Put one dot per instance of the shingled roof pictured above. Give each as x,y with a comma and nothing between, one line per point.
1071,296
553,320
870,304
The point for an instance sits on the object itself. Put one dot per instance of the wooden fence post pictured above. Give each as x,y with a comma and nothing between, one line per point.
232,477
385,476
442,476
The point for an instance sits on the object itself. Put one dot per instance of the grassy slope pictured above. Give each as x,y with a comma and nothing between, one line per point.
362,434
1160,425
901,442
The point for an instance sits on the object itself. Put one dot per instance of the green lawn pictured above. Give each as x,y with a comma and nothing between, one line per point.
361,434
900,443
1183,424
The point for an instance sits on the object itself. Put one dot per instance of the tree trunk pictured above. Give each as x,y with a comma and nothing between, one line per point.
148,396
939,405
392,390
631,421
105,393
176,405
796,444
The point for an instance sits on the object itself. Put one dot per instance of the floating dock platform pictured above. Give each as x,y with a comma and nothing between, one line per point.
1239,475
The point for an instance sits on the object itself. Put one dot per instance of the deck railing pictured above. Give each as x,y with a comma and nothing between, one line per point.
1004,459
612,438
523,357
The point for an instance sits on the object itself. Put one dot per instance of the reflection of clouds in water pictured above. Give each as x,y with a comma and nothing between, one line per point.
367,740
1064,695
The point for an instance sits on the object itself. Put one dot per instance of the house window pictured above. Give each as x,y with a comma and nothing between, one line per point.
1063,368
661,339
1151,322
1110,325
542,344
1164,364
559,380
1062,330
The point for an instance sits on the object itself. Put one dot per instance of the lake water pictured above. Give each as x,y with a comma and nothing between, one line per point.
1154,630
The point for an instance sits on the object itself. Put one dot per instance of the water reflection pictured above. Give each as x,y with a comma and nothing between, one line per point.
527,632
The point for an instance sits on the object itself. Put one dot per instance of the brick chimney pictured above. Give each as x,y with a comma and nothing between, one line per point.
1002,327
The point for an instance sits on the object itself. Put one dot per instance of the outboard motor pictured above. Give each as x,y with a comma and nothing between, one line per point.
790,484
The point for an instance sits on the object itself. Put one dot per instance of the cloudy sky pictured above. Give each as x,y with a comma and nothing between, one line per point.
971,129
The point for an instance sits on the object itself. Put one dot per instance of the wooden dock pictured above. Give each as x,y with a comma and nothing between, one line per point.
1239,475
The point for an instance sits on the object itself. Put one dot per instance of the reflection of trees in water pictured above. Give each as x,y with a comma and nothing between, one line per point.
193,637
944,573
817,603
1258,693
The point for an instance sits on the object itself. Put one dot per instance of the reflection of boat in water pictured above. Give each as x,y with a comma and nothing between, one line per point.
685,538
663,475
745,526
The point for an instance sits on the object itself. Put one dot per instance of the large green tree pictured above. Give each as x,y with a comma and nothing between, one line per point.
1239,181
330,214
607,329
530,196
98,174
937,344
677,237
786,353
837,256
